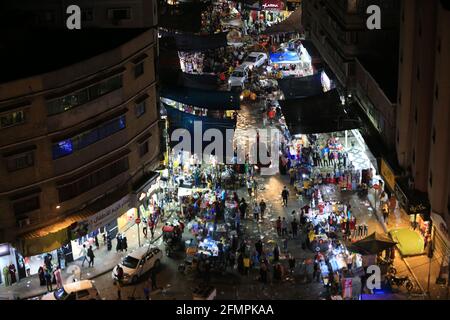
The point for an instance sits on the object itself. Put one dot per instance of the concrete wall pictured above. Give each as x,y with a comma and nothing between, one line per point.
41,130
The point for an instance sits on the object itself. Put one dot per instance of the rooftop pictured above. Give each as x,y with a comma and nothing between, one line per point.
25,53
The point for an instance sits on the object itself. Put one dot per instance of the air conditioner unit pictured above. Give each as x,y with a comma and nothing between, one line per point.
23,222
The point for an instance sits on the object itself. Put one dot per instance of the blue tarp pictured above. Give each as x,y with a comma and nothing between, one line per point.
181,120
206,99
285,57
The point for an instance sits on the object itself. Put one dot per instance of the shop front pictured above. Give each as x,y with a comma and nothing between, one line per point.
415,204
43,248
441,246
147,196
101,223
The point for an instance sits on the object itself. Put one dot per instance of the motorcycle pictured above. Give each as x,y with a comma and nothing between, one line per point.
401,281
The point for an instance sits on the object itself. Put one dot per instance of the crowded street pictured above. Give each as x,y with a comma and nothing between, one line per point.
209,228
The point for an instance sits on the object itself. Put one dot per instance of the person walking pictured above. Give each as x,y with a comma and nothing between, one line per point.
243,208
278,226
256,210
284,227
83,255
153,278
262,207
285,196
119,282
90,254
147,290
291,263
144,227
249,187
151,226
119,243
294,225
124,243
58,277
48,280
259,248
276,253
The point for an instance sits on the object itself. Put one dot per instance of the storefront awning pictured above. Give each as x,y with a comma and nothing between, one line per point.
285,57
301,87
145,182
182,120
413,201
207,99
198,81
193,42
318,114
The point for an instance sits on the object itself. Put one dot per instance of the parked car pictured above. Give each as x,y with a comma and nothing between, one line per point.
139,262
255,59
80,290
238,77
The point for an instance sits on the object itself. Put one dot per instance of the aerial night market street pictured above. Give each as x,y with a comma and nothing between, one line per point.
225,150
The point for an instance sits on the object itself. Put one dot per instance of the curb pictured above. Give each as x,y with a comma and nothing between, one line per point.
18,297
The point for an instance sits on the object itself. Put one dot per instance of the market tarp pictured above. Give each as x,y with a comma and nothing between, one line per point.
182,120
206,99
322,113
373,244
409,242
198,81
301,87
193,42
293,23
285,57
182,17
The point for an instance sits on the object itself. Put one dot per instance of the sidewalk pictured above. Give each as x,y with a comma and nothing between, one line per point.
104,262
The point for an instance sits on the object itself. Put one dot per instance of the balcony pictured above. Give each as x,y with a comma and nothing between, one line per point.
83,112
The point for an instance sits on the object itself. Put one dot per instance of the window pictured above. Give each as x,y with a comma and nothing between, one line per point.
20,161
82,140
83,96
92,180
119,14
139,109
143,149
26,205
139,70
12,119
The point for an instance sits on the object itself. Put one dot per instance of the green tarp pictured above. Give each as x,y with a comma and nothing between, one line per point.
409,242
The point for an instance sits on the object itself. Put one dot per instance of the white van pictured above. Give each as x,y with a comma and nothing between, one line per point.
80,290
139,262
238,77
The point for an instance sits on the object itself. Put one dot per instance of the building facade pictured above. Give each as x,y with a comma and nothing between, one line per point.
423,117
75,141
94,14
339,31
